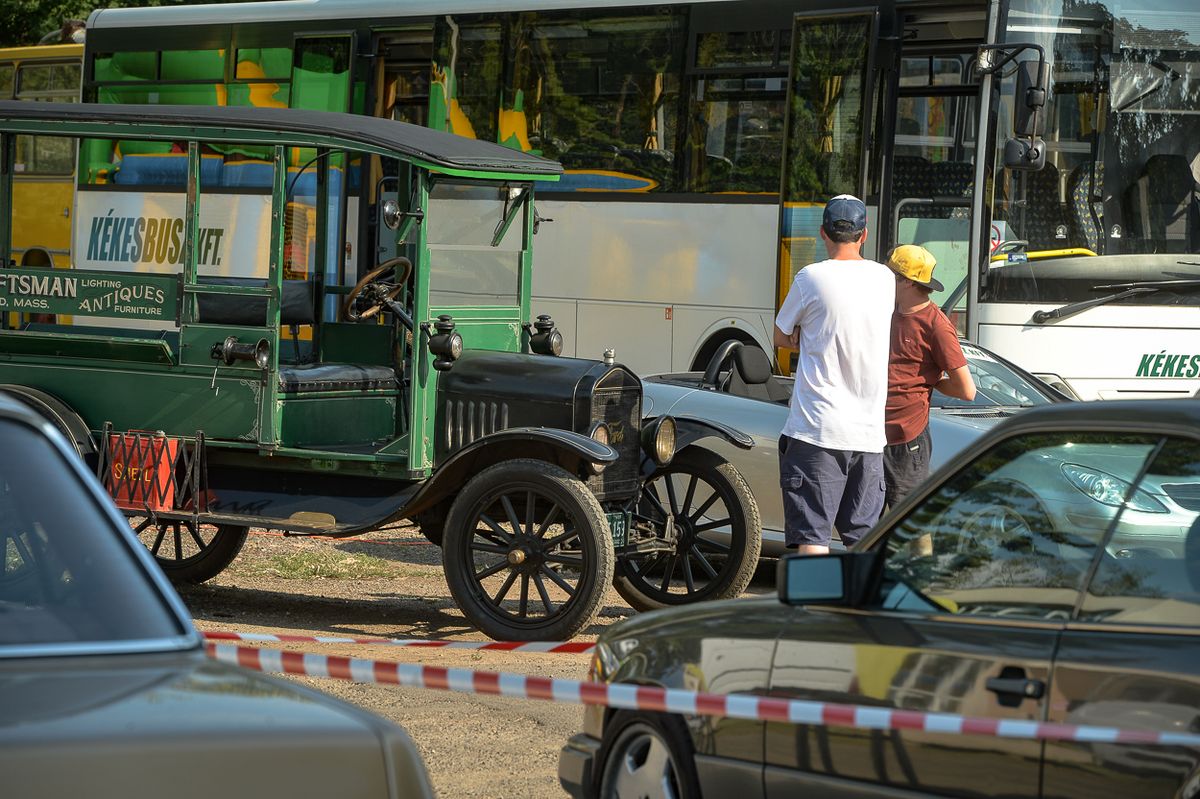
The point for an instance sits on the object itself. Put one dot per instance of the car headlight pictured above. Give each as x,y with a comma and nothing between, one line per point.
1109,490
658,439
600,433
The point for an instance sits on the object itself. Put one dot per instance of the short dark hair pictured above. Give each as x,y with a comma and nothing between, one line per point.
842,232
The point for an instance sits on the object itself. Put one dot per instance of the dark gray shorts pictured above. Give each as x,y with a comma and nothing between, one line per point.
906,466
827,487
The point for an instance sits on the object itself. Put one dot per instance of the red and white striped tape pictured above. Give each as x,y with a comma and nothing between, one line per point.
669,700
569,648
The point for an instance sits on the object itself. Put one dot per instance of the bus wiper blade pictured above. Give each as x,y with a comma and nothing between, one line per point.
1184,283
1042,317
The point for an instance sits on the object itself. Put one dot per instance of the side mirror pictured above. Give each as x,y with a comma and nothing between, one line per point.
838,578
1027,151
1030,99
1027,154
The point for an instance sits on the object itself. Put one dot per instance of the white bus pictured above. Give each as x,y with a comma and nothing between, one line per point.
660,242
701,139
1064,208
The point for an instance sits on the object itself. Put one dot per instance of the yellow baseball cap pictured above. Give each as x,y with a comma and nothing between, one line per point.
915,263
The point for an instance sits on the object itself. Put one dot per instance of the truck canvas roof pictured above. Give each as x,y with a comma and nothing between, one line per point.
437,149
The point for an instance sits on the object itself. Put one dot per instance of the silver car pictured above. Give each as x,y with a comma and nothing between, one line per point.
739,390
105,688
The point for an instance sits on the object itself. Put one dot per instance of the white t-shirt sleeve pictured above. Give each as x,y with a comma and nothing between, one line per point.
793,305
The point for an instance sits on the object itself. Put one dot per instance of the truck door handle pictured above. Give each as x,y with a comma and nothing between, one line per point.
1013,686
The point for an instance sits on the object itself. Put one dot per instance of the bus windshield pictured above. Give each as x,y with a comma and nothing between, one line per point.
1118,200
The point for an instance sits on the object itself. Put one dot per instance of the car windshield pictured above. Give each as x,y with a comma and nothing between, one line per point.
67,578
996,385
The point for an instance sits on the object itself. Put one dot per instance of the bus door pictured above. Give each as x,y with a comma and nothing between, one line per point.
930,174
829,119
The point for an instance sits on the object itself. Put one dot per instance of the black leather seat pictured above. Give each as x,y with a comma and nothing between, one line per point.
751,376
298,307
335,377
297,304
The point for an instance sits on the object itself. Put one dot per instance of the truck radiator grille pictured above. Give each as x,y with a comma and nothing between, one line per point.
469,420
621,409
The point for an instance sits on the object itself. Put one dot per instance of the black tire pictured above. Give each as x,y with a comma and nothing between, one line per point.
532,526
190,554
702,493
647,756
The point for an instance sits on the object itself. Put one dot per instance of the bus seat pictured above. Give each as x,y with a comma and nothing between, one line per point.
1085,192
164,169
298,305
953,179
1039,217
912,176
1161,203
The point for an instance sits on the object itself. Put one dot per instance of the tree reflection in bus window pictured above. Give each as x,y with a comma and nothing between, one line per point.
598,93
1149,572
1014,533
735,128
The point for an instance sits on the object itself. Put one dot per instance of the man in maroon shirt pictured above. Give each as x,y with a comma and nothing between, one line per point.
925,355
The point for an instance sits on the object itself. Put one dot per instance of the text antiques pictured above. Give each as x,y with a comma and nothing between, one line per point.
143,296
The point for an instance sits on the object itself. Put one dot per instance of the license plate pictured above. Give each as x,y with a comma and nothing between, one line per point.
618,524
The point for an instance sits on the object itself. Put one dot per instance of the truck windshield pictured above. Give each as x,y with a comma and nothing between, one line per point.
1122,132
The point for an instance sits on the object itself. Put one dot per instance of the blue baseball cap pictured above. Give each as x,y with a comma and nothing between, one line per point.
845,213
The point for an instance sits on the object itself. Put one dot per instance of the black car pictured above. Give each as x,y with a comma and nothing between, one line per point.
1033,578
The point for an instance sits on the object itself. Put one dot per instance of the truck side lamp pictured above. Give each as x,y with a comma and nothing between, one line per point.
231,350
446,343
544,338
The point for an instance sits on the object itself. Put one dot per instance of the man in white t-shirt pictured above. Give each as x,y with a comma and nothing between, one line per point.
838,314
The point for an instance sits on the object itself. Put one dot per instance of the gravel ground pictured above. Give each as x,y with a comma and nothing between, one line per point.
390,584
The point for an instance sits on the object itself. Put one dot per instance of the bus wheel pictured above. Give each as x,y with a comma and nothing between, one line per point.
706,352
527,552
718,535
190,553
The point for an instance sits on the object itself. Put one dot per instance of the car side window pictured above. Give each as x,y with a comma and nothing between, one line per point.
1014,533
1149,572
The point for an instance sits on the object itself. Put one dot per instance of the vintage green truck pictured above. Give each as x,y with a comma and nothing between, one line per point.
212,353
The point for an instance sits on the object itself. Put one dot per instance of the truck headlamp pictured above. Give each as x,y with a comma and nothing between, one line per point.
600,433
544,338
658,440
446,343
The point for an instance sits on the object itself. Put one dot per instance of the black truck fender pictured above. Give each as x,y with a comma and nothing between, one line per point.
689,430
572,451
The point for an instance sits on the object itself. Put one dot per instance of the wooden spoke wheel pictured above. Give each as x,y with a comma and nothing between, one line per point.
706,505
527,552
190,553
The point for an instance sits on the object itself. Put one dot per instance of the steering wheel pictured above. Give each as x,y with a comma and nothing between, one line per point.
378,289
717,362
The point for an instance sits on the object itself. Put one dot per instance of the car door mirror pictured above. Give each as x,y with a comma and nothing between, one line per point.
838,578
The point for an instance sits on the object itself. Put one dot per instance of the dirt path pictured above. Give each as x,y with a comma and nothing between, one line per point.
390,584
